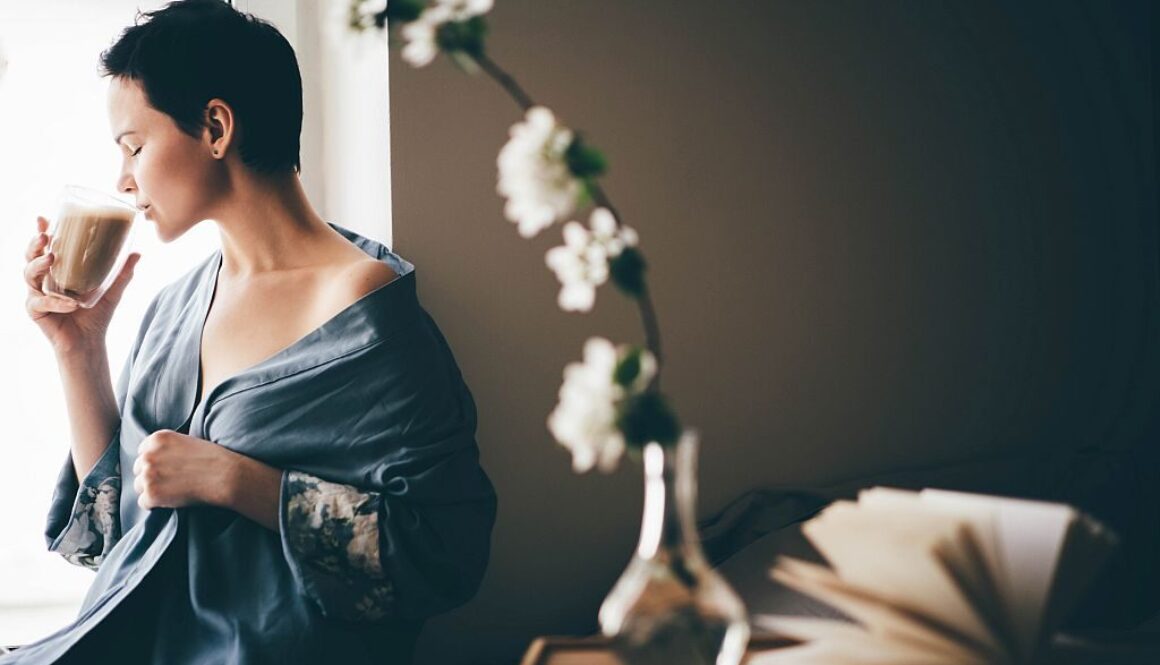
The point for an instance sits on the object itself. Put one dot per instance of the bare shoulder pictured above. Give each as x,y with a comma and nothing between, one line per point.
361,277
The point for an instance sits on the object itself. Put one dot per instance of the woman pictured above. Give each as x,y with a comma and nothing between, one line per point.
287,470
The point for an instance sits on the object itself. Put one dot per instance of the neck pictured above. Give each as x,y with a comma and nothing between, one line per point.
266,226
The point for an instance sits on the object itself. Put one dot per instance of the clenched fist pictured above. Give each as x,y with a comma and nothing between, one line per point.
174,470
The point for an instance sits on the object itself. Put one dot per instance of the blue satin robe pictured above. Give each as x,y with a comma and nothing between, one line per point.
374,428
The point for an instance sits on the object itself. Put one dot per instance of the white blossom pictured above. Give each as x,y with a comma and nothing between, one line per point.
351,19
420,34
585,419
363,12
533,174
420,48
581,263
350,25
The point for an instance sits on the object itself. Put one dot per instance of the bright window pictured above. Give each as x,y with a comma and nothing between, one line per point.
54,130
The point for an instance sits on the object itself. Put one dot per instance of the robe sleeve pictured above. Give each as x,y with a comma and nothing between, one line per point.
331,534
84,517
364,556
84,520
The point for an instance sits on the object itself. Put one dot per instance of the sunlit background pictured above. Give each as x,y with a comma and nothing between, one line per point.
54,131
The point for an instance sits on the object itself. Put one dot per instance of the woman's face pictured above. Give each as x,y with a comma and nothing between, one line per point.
172,175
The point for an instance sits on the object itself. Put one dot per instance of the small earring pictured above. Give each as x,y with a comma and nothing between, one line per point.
215,153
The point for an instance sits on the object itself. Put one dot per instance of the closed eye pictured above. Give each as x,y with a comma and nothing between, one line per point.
135,152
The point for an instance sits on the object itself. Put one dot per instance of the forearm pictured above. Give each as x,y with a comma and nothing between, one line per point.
253,489
92,406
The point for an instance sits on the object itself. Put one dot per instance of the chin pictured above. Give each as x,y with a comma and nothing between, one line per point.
167,234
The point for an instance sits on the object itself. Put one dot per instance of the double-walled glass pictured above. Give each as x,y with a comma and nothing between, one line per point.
91,240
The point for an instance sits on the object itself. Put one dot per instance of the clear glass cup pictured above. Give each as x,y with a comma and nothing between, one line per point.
91,236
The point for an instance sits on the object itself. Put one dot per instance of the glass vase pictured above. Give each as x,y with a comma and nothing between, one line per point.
669,606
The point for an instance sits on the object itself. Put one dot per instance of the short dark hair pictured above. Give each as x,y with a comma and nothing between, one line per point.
191,51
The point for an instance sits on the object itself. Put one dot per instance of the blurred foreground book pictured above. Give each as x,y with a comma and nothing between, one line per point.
938,577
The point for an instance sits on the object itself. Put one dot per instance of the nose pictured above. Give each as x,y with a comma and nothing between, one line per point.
126,184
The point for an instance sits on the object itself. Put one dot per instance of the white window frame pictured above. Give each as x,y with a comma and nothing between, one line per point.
346,138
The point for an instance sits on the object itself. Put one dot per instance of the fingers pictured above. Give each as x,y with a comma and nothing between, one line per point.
36,246
39,241
39,305
113,295
37,261
35,270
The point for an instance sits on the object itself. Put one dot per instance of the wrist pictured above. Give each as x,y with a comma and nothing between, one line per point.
84,353
251,488
224,492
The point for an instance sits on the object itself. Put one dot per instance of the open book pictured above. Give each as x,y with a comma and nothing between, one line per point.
938,577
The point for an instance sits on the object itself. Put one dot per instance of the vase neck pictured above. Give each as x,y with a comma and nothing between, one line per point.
670,500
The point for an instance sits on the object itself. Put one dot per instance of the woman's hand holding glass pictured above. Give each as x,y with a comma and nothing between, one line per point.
68,327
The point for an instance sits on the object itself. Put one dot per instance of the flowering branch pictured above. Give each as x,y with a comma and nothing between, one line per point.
640,292
648,317
505,80
612,400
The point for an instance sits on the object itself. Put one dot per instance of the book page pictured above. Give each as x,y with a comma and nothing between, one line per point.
838,643
1030,535
971,554
889,623
949,574
897,559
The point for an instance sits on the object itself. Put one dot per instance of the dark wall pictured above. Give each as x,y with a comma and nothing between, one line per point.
882,236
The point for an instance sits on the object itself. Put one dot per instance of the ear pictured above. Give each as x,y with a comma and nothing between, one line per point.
221,126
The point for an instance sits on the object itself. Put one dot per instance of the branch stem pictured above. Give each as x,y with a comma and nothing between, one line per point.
504,80
648,315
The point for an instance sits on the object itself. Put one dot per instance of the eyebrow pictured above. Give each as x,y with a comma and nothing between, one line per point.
123,134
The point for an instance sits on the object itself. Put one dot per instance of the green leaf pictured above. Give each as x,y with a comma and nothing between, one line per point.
585,197
647,417
399,12
464,36
627,271
464,62
627,369
584,161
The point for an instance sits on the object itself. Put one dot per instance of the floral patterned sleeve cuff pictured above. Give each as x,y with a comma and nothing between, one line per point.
84,520
330,535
